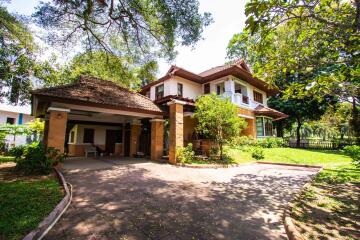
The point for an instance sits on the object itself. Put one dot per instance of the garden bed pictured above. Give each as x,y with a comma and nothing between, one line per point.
25,201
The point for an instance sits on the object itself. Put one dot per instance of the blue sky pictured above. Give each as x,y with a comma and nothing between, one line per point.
229,18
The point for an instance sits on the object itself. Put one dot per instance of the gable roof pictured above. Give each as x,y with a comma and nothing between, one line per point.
237,68
266,111
95,90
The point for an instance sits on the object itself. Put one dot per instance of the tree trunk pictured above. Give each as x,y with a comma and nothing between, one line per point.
279,129
298,137
221,151
355,121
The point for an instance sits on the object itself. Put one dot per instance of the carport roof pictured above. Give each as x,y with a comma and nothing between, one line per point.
91,90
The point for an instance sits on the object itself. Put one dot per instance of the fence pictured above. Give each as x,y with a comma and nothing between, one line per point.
319,144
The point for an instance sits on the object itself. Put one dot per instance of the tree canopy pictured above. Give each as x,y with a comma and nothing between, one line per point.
308,49
117,25
16,58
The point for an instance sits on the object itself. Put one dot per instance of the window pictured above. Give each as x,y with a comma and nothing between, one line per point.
10,120
258,97
180,89
207,88
220,88
72,137
259,127
159,91
89,135
264,127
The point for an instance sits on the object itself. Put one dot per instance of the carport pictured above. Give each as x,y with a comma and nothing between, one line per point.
92,111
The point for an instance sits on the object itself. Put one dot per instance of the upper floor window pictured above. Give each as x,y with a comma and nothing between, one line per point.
206,88
159,91
89,135
220,88
258,97
10,120
180,89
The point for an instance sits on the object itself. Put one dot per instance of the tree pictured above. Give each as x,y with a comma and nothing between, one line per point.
16,58
140,26
126,71
14,130
301,110
36,127
218,119
310,46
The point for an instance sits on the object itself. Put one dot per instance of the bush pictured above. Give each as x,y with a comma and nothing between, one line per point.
17,152
185,154
258,153
354,153
38,160
243,141
271,142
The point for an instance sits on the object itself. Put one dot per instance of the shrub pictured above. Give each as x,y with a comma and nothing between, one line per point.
258,153
243,141
354,153
17,152
185,154
214,151
36,159
271,142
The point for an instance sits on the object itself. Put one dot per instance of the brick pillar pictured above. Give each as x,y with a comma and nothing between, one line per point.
57,128
250,130
176,137
135,130
157,139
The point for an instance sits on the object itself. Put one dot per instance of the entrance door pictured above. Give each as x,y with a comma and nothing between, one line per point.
112,137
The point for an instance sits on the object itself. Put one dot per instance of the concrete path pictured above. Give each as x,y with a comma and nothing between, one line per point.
145,200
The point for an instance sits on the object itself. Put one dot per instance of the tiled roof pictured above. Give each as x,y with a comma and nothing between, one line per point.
239,63
266,111
95,90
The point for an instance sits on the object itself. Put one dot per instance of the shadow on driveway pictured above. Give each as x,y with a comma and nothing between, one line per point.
156,201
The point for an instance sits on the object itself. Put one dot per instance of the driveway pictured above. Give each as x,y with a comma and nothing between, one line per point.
146,200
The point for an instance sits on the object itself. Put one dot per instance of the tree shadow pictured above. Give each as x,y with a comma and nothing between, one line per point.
132,203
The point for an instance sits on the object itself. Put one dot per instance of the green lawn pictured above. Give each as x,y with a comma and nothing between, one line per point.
24,204
4,159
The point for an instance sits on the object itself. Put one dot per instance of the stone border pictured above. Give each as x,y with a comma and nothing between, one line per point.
290,229
55,214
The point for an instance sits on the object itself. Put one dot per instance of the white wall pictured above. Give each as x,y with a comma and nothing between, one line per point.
99,133
193,90
190,89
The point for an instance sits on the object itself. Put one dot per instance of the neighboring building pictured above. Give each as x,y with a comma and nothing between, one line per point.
125,123
15,115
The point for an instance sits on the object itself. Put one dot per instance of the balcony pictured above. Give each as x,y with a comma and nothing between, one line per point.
240,100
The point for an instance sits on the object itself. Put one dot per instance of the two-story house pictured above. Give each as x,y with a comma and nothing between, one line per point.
233,81
122,122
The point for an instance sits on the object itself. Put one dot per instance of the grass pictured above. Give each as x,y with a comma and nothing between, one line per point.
25,203
4,159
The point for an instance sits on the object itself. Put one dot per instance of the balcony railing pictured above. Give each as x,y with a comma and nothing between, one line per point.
240,100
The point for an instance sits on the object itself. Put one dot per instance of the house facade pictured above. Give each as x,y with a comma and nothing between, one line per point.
233,81
120,122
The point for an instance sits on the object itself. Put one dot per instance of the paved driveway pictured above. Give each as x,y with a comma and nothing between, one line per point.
147,200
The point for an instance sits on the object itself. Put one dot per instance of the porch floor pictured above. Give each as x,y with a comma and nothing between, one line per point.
77,164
